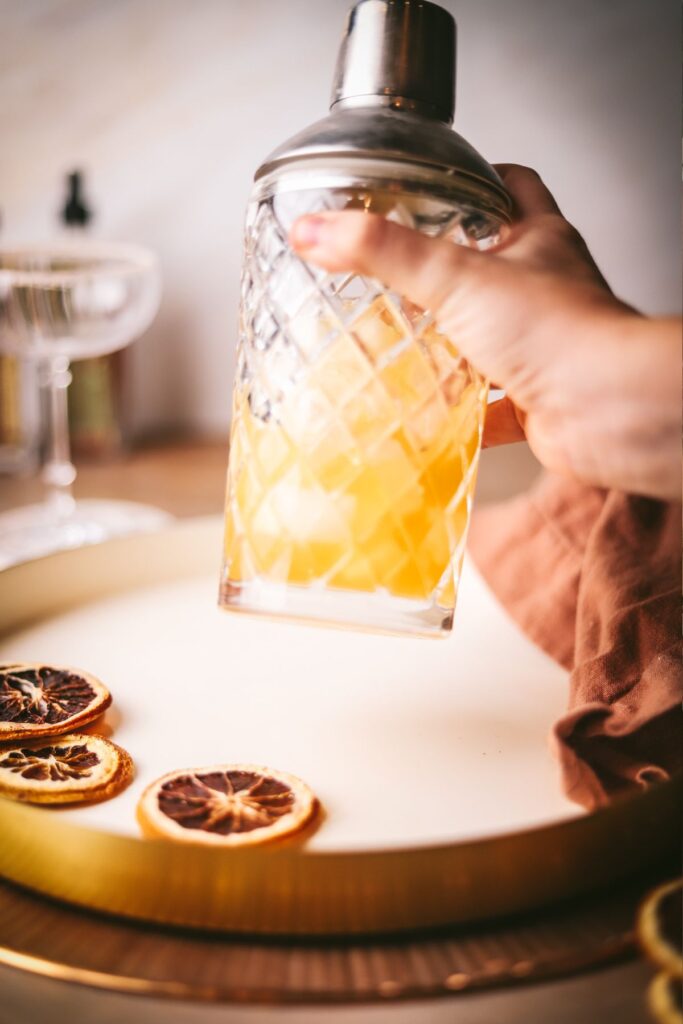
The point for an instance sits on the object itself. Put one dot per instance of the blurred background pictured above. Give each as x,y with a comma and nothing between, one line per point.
168,107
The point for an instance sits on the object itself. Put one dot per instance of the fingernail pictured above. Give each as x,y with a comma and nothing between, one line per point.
306,232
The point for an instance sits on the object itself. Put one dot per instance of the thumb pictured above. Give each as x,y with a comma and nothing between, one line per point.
425,270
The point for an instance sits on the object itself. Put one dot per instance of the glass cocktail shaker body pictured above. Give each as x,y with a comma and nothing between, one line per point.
356,422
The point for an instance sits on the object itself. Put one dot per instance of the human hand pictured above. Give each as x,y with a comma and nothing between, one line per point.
589,382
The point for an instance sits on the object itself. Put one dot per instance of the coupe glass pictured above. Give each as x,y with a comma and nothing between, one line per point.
59,303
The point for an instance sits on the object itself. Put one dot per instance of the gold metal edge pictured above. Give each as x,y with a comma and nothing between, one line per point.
655,946
130,562
290,892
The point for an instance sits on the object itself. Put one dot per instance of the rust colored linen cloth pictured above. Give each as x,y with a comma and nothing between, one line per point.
594,578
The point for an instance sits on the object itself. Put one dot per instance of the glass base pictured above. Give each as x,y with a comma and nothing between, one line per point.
33,531
323,606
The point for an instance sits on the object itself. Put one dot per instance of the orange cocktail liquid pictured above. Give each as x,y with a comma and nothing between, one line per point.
361,477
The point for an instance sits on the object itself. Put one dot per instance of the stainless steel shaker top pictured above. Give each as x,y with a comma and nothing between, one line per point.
393,101
400,55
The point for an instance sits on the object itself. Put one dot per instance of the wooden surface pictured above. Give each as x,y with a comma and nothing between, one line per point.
184,477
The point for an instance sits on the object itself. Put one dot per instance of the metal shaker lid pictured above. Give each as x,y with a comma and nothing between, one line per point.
400,54
392,101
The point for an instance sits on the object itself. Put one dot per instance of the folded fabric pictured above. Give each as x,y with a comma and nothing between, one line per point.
594,578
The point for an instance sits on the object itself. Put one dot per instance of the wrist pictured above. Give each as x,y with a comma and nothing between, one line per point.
620,420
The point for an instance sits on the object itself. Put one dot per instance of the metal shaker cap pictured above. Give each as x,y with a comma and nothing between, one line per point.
399,54
392,104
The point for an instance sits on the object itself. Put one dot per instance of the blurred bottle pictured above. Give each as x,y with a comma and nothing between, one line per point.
19,415
95,394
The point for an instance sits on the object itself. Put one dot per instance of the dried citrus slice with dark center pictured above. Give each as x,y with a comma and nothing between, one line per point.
72,769
226,805
43,700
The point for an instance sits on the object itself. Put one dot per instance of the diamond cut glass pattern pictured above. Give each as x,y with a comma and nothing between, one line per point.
355,437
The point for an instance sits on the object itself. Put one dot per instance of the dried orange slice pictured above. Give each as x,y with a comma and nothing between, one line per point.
72,769
43,700
226,805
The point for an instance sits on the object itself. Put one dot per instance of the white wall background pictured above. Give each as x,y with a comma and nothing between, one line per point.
169,105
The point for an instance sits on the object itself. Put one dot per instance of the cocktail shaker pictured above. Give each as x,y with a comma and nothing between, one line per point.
356,422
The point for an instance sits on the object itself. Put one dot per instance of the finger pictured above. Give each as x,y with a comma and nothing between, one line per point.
530,195
504,424
424,270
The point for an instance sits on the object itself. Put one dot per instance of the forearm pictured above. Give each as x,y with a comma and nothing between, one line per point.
622,424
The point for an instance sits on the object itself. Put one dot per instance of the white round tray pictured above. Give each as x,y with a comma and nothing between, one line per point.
405,741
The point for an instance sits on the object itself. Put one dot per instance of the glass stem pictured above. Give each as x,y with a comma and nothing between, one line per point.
58,472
